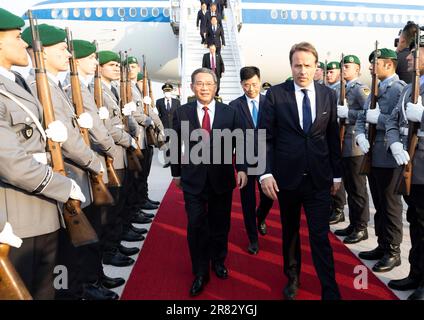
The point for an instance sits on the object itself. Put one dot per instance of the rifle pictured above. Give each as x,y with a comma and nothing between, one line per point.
79,228
11,285
404,181
372,128
160,138
101,195
113,177
133,163
325,72
342,97
150,130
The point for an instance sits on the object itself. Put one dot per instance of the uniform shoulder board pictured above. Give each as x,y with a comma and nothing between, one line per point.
366,91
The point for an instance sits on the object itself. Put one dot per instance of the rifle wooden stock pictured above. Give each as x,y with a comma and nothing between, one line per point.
150,130
11,285
79,229
366,164
342,97
101,195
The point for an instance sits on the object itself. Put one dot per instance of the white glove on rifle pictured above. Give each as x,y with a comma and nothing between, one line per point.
129,108
343,111
400,155
373,114
134,143
148,122
57,131
76,192
103,113
363,143
85,120
102,169
147,100
8,237
414,112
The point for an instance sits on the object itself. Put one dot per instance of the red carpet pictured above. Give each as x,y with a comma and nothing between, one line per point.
163,268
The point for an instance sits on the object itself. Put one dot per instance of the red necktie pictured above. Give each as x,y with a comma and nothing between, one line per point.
213,63
206,122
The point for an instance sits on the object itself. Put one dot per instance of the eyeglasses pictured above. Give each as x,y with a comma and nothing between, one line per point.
204,84
253,85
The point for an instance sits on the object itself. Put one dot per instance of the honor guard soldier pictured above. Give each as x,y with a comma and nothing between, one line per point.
383,177
265,87
29,189
355,184
319,73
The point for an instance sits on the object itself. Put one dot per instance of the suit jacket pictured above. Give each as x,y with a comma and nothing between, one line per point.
202,18
28,189
194,177
165,115
219,64
290,151
217,38
209,18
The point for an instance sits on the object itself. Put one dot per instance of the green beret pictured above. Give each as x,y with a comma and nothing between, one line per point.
167,87
8,21
352,59
132,60
383,54
83,48
333,65
320,65
139,76
49,35
107,56
266,85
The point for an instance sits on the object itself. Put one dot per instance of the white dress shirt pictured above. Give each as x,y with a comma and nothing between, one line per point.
250,105
299,101
201,112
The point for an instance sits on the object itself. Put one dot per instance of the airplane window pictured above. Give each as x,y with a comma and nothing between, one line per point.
378,18
333,16
155,12
133,12
396,18
284,14
323,16
370,17
110,12
387,18
304,15
274,14
166,12
342,16
65,13
294,14
314,15
99,12
87,12
143,12
76,13
121,12
351,16
361,17
55,13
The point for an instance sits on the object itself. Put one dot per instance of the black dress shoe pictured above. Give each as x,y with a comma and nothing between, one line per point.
148,206
344,232
166,165
356,236
405,284
111,283
374,254
387,263
144,214
96,291
128,251
337,216
290,290
418,294
140,219
253,248
132,236
156,203
138,230
262,228
198,285
117,259
220,270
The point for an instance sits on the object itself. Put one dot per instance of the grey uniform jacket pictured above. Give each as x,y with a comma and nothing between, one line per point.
28,189
139,116
336,87
397,131
77,155
116,129
388,97
356,96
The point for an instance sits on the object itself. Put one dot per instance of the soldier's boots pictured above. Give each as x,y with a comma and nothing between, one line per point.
375,254
337,216
390,259
411,282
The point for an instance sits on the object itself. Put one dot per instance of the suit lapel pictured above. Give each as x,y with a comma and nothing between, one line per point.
261,103
319,106
193,115
246,111
293,107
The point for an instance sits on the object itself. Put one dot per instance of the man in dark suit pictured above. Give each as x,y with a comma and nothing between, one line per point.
207,187
213,11
249,106
215,35
214,62
202,18
303,165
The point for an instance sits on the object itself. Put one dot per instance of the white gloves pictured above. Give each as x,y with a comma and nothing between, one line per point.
373,114
400,155
414,112
102,169
342,111
147,100
363,143
8,237
148,122
129,108
134,143
76,192
85,120
103,113
57,131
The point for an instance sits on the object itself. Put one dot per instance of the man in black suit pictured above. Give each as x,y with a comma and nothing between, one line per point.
207,186
303,165
249,106
215,35
214,62
213,12
202,18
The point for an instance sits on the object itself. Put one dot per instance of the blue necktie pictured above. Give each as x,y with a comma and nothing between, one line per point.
307,114
255,113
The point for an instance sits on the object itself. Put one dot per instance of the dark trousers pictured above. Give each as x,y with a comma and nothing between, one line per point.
415,217
248,203
209,216
147,164
339,199
202,34
317,206
35,261
357,194
388,206
218,85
